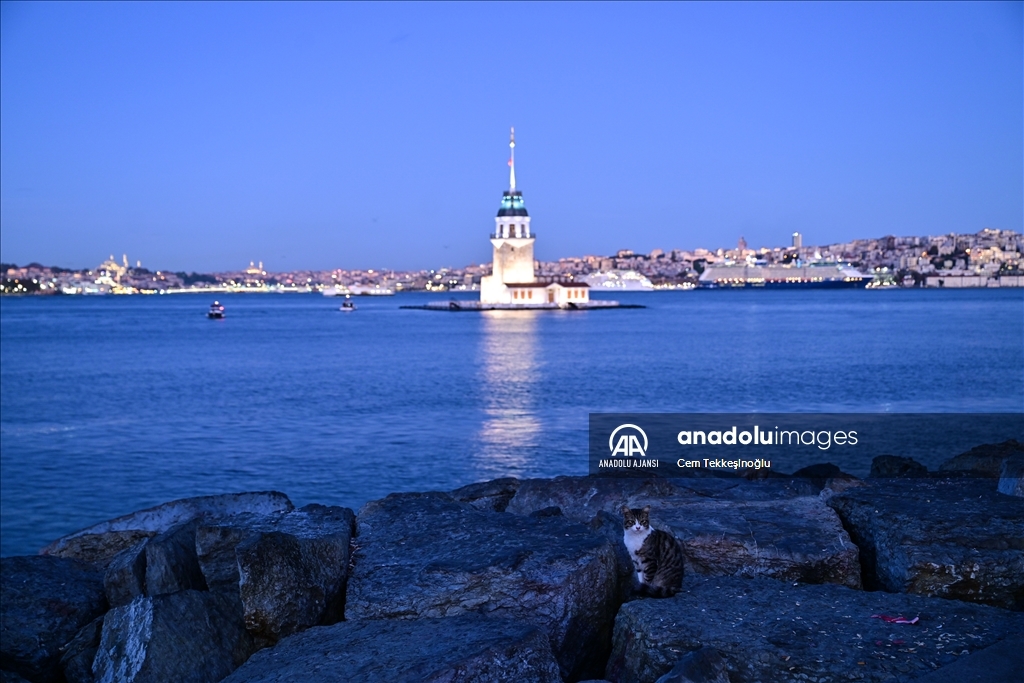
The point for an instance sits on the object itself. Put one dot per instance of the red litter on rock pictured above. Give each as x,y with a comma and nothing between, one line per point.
895,620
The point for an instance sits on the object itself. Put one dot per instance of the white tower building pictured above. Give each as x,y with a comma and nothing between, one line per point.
512,241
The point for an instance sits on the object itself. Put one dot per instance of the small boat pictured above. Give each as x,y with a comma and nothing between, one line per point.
216,311
347,304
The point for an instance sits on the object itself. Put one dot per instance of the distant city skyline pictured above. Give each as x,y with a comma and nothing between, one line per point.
317,136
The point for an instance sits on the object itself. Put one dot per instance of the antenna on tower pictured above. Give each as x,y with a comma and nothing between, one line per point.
512,160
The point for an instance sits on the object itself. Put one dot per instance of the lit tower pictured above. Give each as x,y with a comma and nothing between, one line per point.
512,240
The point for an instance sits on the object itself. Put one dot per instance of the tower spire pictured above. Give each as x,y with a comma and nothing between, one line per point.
512,160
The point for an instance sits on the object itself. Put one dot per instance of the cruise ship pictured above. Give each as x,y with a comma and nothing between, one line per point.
811,276
619,280
358,290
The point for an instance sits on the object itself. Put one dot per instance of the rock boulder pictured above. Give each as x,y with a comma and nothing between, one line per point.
1011,477
165,563
99,543
125,576
896,466
726,526
289,569
489,495
44,602
769,631
77,656
951,538
983,461
427,555
466,648
186,637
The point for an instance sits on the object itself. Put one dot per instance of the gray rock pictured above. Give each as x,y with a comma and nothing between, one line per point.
580,498
466,648
171,561
186,637
289,569
983,461
726,527
489,495
821,474
44,602
1011,477
165,563
125,576
950,538
426,555
97,549
610,526
706,665
896,466
77,656
99,543
770,631
11,677
793,539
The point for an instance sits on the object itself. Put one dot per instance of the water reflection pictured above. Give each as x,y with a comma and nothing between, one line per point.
510,378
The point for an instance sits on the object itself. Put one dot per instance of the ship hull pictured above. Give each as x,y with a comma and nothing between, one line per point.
824,284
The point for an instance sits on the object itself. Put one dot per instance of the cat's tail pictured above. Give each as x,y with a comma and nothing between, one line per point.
659,591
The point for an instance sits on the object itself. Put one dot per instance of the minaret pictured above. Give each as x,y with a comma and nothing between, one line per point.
512,241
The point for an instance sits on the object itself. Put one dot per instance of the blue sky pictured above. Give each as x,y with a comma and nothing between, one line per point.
201,136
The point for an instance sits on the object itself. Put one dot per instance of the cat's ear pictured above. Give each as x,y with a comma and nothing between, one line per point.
624,509
647,508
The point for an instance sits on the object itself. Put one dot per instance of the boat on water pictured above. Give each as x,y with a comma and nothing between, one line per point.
347,304
620,280
216,311
811,276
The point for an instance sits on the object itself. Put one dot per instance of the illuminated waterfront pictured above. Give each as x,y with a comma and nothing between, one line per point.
113,404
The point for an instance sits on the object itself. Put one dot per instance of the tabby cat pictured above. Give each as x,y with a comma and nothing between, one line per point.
656,554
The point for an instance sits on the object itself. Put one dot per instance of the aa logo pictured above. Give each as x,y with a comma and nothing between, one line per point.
628,442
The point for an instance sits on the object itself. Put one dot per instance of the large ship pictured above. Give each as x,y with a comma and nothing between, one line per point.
358,290
620,280
811,276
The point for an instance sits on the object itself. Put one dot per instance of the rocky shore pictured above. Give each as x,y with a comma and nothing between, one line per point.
906,575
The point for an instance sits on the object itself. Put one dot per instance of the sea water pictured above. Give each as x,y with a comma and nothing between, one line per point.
112,404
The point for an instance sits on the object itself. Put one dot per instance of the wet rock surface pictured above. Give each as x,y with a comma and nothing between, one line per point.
726,526
951,538
288,569
187,637
771,631
427,555
466,648
99,543
44,602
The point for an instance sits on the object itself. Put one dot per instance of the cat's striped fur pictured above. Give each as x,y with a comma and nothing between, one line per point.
656,554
